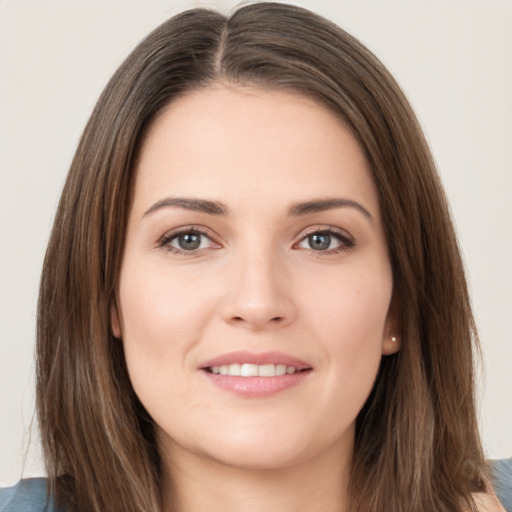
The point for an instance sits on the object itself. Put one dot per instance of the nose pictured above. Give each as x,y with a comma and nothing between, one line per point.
260,295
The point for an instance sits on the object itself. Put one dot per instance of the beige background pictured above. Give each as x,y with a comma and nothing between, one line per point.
452,57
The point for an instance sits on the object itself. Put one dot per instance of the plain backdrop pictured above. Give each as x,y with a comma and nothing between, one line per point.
453,59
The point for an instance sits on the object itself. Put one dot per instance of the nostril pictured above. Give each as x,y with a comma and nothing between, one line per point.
273,320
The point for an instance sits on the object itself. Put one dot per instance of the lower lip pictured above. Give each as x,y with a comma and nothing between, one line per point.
256,386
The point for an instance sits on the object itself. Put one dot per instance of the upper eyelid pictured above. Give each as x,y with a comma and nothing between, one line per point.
323,229
173,233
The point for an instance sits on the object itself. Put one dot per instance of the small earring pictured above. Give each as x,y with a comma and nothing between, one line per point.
393,339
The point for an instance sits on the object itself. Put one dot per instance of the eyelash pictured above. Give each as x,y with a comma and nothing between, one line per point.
346,242
166,240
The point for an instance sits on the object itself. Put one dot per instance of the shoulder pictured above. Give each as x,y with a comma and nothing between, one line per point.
28,495
501,479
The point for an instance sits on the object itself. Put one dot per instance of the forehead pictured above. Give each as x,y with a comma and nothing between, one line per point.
242,143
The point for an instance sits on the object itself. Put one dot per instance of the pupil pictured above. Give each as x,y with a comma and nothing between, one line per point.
320,241
190,241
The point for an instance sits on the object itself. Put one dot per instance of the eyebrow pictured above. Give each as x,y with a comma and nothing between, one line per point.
320,205
196,205
218,208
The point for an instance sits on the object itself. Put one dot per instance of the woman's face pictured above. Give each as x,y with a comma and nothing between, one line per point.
254,248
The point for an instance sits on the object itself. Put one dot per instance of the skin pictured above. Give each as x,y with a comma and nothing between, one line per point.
488,502
256,284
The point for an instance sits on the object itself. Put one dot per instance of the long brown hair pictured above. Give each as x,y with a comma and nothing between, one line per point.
417,444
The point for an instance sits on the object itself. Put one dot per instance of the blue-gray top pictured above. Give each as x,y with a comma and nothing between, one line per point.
29,495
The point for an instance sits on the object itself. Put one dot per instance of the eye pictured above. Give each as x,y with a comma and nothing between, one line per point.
326,240
187,241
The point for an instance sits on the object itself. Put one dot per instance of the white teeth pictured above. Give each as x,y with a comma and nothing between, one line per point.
281,369
234,369
249,370
267,370
253,370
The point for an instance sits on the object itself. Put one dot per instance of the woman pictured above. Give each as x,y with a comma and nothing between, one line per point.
253,296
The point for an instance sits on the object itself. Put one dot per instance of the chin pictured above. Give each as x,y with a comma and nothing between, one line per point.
242,448
270,449
260,457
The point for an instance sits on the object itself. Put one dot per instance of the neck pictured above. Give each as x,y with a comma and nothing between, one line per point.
200,484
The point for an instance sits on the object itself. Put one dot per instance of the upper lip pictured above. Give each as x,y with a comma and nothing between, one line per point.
255,358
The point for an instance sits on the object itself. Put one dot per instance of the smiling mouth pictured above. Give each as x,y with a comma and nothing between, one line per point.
254,370
256,375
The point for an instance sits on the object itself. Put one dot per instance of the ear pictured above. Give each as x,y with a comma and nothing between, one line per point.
115,322
390,345
392,339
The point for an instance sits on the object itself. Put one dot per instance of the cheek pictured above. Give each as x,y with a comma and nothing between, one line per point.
160,324
163,323
350,318
354,351
351,308
161,311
